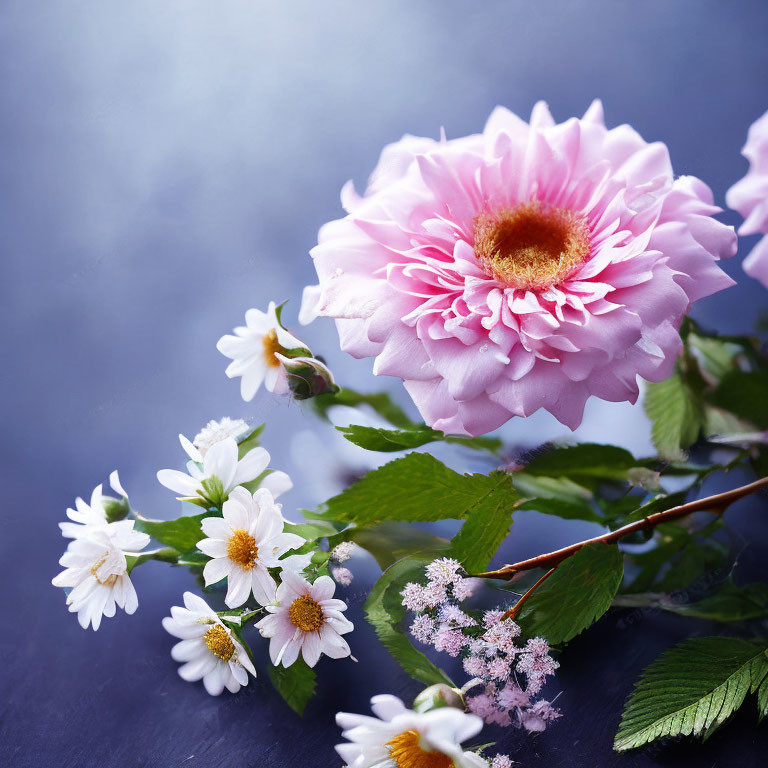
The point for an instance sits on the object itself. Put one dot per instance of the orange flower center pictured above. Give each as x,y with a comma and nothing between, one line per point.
531,246
306,614
242,549
407,752
219,642
271,345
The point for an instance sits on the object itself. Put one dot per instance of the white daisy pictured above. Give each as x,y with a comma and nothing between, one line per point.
244,543
215,431
221,461
401,738
307,619
96,571
85,517
208,649
253,348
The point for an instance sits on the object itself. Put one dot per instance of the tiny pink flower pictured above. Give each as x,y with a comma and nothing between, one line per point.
413,597
501,761
434,594
474,666
513,696
499,669
342,576
451,641
343,551
463,589
491,618
423,629
443,571
532,722
452,614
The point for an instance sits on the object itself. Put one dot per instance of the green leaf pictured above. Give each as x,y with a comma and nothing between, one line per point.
313,530
677,415
691,690
296,684
586,463
744,394
391,541
385,612
387,440
715,355
182,534
576,595
679,558
567,510
249,442
377,439
418,487
729,603
482,534
762,699
381,402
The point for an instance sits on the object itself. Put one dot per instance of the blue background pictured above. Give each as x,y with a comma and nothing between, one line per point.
166,165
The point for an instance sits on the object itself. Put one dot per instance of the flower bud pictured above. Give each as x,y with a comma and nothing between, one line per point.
437,696
307,376
115,509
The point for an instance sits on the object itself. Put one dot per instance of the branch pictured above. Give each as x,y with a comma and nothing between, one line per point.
515,609
717,504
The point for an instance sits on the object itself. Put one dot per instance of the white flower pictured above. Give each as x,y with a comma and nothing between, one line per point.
244,544
401,738
252,350
307,620
86,517
215,431
96,571
208,647
221,461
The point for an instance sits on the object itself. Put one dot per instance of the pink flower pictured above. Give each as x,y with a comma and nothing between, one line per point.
513,695
423,629
413,597
530,266
307,619
474,666
750,198
449,640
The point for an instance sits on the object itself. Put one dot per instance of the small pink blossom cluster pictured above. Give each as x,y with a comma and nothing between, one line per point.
340,554
512,673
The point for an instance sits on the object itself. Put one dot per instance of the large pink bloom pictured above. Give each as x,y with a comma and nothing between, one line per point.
527,267
750,198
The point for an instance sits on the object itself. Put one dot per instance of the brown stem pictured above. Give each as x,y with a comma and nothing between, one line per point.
515,609
717,504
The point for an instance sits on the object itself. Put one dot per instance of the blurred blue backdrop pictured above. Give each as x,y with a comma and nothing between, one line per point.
166,166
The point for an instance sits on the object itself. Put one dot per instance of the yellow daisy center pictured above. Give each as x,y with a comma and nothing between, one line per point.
407,752
531,246
306,614
110,580
219,642
242,549
271,345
